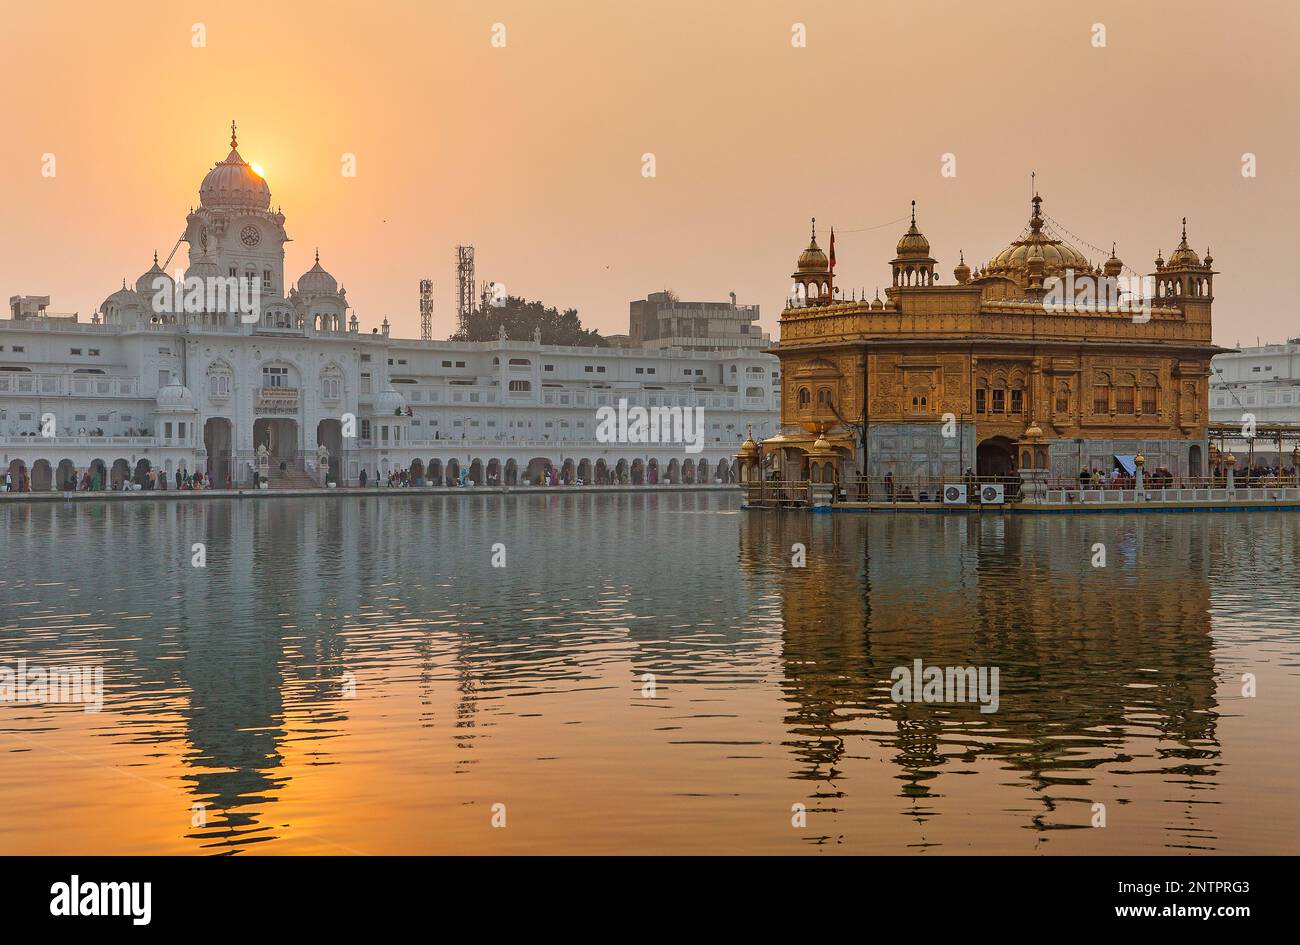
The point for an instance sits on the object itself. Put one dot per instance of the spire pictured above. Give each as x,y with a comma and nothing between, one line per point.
233,142
318,255
814,229
913,213
155,257
1184,229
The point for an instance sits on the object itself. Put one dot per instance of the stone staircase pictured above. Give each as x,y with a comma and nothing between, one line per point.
290,478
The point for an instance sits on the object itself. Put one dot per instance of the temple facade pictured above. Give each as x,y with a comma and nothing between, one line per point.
1037,360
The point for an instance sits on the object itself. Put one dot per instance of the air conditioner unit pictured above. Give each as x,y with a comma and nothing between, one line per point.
954,493
993,493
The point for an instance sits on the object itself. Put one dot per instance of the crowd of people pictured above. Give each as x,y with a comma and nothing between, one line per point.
90,480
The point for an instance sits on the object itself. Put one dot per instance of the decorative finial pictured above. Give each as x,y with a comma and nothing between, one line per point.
961,253
155,257
318,255
913,213
233,142
814,229
1184,229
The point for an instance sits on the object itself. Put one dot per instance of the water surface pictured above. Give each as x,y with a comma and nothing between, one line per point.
353,675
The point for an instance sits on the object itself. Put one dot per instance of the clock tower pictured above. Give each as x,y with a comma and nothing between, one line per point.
234,227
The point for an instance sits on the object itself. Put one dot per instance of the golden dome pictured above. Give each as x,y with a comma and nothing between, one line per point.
962,272
1034,431
1184,257
749,447
1057,256
813,260
1113,266
821,444
913,242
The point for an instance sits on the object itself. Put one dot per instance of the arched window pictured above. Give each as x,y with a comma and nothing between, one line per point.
521,386
805,397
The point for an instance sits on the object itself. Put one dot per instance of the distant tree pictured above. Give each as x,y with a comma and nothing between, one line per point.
522,317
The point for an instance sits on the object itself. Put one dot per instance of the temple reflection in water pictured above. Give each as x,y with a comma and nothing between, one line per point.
352,675
1091,660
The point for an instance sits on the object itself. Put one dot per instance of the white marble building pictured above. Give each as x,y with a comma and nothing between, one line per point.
150,384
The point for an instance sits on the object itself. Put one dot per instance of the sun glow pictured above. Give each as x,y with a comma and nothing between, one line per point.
257,169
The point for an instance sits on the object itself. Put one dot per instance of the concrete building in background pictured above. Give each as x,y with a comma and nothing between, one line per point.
661,320
1263,381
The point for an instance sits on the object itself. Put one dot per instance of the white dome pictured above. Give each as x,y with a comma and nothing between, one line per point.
124,298
234,184
389,402
174,396
147,287
316,281
204,268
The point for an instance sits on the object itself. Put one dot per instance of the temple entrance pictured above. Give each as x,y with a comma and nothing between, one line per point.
994,457
280,436
218,441
329,434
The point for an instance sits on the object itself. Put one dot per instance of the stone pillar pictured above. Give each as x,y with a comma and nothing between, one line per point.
1229,461
1139,461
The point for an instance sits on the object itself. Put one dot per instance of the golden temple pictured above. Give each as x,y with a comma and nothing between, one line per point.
1038,360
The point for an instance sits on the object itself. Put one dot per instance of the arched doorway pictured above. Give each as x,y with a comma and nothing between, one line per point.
329,434
452,475
218,441
494,472
512,473
280,435
566,472
1194,461
621,472
42,478
638,472
476,472
674,472
417,472
536,470
120,474
994,457
435,472
142,472
688,472
584,472
98,474
67,471
721,473
18,475
602,472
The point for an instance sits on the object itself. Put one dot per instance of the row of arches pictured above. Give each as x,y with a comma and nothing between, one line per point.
570,471
45,476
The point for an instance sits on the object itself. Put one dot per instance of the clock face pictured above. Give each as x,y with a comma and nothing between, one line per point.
250,236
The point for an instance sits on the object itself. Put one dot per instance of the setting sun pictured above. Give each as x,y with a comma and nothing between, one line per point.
257,169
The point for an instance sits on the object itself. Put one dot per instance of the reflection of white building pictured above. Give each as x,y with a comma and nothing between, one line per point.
144,384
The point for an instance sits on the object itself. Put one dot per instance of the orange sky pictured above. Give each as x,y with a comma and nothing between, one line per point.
533,152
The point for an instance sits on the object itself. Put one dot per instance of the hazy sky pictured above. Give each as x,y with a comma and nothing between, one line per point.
532,152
